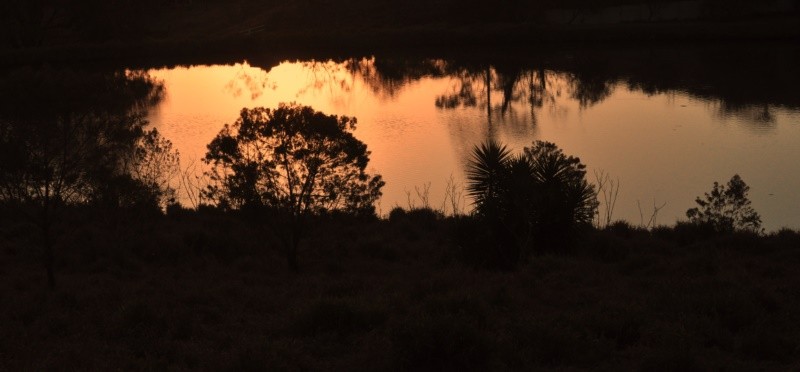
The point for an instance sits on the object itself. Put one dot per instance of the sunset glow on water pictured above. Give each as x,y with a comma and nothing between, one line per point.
665,149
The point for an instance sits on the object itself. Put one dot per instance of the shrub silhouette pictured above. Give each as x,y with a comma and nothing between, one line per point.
567,199
726,208
67,138
540,193
288,163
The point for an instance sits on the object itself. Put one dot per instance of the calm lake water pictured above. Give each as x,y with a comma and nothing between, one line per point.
666,137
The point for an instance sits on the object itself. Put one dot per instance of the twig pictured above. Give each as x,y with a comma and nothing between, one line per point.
653,217
424,194
609,189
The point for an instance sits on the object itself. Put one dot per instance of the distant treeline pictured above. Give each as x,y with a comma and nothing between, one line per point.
56,22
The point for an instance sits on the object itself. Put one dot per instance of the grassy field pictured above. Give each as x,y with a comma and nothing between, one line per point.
203,290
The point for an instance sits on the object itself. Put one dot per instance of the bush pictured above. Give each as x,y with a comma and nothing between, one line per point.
539,196
685,233
424,216
397,214
727,209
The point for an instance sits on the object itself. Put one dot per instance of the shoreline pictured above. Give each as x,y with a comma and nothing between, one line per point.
428,39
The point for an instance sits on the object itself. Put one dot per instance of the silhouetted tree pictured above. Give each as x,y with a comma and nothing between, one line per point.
727,208
64,136
141,182
289,163
154,163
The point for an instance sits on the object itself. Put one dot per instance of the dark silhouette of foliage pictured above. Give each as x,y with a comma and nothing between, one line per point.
142,181
498,183
487,174
66,138
540,194
154,163
293,162
567,198
726,208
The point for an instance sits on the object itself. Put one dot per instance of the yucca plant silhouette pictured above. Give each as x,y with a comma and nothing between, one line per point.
540,194
501,187
487,173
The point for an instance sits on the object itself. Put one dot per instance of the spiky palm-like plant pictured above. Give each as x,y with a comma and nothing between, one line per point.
540,192
487,173
491,182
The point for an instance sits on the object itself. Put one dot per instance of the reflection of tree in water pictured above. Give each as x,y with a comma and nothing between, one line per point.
589,89
499,90
758,117
326,74
255,81
748,81
474,86
537,86
759,114
752,89
386,77
496,89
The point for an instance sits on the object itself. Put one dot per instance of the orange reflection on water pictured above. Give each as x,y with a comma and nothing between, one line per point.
663,148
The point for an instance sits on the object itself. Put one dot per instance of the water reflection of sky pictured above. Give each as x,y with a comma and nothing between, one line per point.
664,147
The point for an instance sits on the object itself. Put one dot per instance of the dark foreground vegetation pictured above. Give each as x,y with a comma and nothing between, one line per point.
203,290
101,268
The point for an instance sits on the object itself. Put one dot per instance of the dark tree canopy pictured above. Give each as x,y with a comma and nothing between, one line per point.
292,159
288,163
66,134
726,208
68,138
